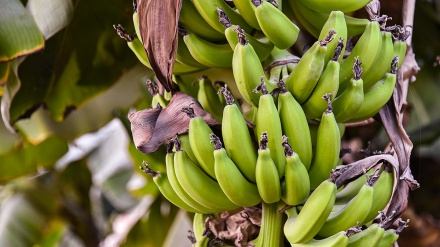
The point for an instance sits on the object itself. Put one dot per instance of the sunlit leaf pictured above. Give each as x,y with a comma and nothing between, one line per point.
19,33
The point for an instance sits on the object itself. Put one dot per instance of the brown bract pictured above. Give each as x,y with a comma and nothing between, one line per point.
158,27
155,126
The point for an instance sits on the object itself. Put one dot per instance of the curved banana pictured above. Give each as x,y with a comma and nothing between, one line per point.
335,21
194,23
157,97
377,96
399,50
389,238
237,139
349,102
198,184
296,179
262,49
247,11
328,145
203,242
382,191
269,121
294,125
186,146
270,19
208,98
165,188
247,69
339,239
304,77
183,55
382,63
350,190
330,5
208,10
205,52
266,173
369,237
400,35
199,141
328,83
313,215
354,212
235,186
199,225
365,50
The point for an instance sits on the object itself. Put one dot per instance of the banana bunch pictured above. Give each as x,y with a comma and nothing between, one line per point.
281,127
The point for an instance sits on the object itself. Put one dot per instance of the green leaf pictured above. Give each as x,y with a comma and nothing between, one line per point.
4,74
19,33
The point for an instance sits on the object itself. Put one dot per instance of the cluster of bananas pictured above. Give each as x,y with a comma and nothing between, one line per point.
297,107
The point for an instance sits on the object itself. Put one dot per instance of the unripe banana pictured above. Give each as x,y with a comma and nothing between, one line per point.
348,103
350,190
208,10
199,221
157,97
328,83
266,173
183,55
304,77
335,21
199,141
205,52
270,19
313,215
296,178
294,125
378,95
194,23
247,69
235,186
237,139
186,146
203,242
269,121
389,238
339,239
208,98
369,237
328,145
247,11
262,49
365,50
399,50
354,212
165,188
326,6
198,184
382,63
400,35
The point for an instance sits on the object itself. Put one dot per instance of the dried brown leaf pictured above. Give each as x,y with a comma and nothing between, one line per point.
158,27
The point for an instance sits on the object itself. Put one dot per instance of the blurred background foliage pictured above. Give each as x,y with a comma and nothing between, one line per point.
68,168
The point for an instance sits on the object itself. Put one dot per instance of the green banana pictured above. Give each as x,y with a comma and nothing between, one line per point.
294,125
382,62
382,191
354,212
208,98
335,21
266,173
327,83
269,121
378,95
262,49
400,35
339,239
326,6
328,145
399,50
183,55
235,186
203,242
205,52
349,102
194,23
270,19
365,50
247,69
313,215
237,139
198,184
165,188
305,76
199,141
208,10
171,175
296,178
199,221
370,237
186,146
247,11
350,190
389,238
157,97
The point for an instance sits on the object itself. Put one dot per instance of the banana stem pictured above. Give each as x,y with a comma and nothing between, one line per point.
271,232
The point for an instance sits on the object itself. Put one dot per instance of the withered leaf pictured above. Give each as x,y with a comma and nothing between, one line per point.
158,27
152,129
